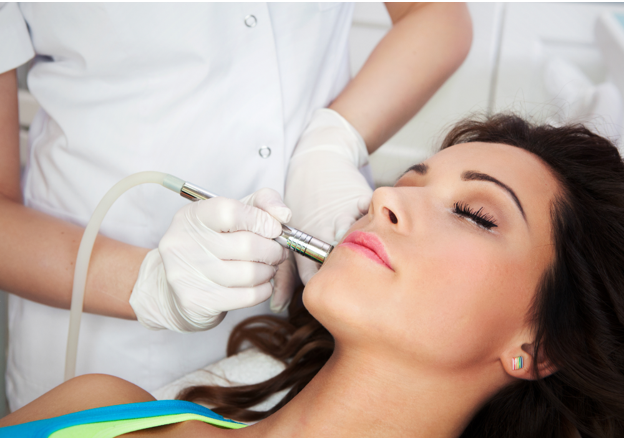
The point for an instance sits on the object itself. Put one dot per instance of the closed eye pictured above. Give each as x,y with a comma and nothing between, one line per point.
479,217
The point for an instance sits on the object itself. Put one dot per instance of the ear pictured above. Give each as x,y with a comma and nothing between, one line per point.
511,362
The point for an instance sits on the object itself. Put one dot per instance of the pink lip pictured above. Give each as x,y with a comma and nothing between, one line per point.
368,245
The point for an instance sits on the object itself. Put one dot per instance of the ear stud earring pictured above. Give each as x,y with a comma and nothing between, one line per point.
517,363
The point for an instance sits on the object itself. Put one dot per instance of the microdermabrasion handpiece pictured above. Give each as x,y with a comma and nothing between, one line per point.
291,238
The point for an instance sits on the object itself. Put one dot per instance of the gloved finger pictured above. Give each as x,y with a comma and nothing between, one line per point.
241,246
238,298
344,221
271,202
342,225
202,299
284,283
363,203
306,268
227,215
240,274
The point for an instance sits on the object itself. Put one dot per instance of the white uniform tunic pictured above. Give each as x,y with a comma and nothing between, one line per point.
216,94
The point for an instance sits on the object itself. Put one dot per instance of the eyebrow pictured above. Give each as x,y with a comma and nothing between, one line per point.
422,169
474,175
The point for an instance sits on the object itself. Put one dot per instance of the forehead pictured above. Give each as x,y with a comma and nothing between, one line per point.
491,155
498,160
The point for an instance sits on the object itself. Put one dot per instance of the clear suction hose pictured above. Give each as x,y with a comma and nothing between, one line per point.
290,238
84,256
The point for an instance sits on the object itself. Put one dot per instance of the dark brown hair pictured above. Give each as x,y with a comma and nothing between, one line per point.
577,311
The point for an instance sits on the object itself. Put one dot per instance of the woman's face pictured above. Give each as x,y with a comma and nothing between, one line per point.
466,237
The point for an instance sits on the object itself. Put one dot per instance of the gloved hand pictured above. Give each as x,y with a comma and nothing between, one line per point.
324,188
217,255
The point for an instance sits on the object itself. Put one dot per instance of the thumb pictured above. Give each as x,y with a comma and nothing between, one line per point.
341,226
363,203
284,283
345,221
271,202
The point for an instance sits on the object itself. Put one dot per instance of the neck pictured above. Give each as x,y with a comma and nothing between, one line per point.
363,395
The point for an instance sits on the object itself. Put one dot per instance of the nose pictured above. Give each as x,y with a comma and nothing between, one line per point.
386,207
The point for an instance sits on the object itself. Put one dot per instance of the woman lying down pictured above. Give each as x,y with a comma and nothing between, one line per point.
480,296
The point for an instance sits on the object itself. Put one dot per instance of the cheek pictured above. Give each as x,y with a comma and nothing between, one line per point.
466,299
456,302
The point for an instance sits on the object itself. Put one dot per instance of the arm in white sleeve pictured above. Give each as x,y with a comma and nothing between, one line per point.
15,44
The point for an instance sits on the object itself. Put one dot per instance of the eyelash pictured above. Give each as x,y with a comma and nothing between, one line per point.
482,219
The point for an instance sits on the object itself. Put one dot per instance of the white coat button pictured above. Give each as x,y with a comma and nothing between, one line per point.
250,21
264,151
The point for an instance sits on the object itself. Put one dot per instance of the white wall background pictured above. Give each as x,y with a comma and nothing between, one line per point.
513,44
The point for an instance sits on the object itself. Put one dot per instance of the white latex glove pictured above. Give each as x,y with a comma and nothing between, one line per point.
217,255
324,188
284,283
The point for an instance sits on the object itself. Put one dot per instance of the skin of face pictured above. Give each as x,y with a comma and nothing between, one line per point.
458,294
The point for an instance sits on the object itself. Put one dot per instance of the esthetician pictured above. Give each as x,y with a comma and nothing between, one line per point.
232,97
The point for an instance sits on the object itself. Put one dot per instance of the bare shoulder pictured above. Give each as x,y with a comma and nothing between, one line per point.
80,393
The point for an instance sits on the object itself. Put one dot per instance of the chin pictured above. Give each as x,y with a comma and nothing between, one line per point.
334,296
316,295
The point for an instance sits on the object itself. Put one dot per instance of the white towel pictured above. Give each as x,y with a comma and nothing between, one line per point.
247,367
599,107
